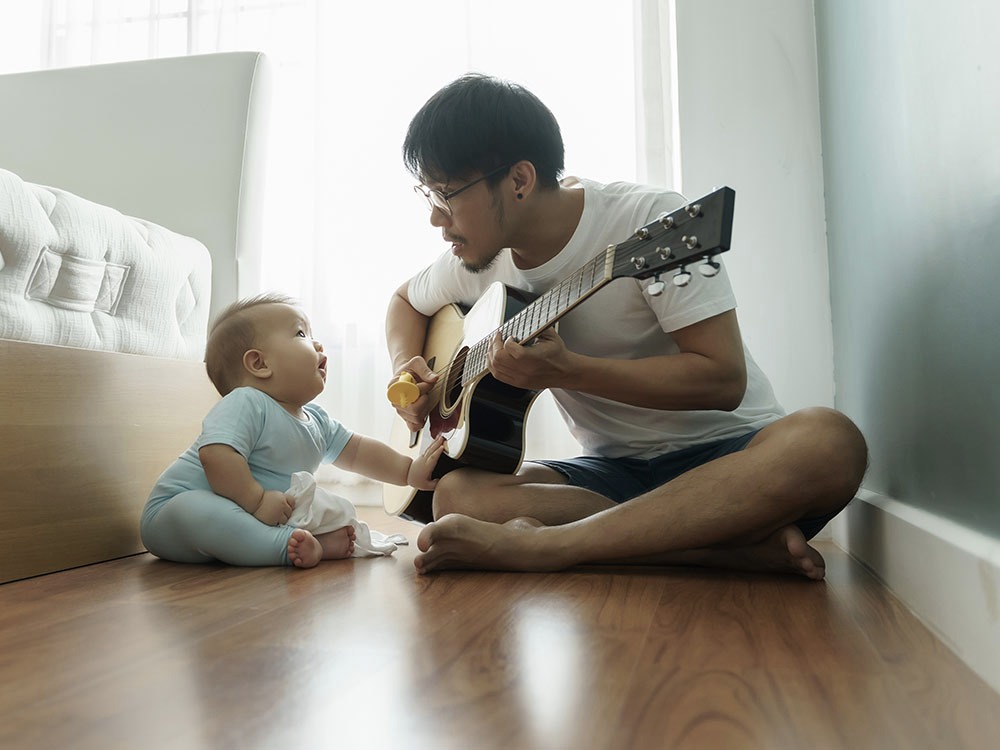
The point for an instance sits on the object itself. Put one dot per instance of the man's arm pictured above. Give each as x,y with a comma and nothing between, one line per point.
709,372
405,329
405,334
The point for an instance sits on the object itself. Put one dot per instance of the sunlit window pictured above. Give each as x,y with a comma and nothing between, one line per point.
342,228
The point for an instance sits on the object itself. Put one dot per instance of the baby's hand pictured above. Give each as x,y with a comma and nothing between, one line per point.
419,475
275,507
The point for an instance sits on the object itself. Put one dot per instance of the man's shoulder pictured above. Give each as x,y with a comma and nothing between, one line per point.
625,190
612,211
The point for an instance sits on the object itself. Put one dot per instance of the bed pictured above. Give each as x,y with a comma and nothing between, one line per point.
158,166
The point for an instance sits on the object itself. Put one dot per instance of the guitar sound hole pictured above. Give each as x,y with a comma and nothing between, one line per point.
453,380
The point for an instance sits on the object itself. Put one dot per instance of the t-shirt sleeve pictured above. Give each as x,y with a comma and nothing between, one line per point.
445,282
703,297
336,436
237,421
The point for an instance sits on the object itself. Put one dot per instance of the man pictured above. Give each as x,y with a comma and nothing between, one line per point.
689,459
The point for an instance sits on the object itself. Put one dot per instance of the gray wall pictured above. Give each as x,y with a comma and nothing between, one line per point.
910,114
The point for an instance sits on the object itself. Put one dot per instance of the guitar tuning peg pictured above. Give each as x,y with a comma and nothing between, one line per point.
709,268
656,288
682,277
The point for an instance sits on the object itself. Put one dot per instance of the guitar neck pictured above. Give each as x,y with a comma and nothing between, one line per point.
692,234
545,310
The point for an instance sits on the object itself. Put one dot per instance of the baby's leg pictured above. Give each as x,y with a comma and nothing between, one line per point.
199,526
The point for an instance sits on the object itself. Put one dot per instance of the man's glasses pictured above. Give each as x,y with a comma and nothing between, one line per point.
437,199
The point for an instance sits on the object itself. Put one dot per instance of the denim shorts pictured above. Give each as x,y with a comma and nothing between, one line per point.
621,479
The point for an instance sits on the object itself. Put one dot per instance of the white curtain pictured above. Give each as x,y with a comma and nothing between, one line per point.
342,227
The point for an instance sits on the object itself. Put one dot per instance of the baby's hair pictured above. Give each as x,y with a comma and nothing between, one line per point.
231,335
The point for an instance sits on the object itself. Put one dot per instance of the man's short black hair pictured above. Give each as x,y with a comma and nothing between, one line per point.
478,123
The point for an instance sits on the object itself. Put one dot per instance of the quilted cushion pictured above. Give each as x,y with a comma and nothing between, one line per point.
77,273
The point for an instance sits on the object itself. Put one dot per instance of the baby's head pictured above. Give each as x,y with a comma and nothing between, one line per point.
266,342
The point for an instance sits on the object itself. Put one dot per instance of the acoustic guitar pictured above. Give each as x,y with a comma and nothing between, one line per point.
483,418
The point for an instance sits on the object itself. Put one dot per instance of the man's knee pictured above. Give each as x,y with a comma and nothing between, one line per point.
839,450
456,491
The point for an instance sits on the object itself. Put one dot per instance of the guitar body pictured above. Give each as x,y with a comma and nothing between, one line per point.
484,421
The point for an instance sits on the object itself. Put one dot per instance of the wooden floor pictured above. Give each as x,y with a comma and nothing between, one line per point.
366,654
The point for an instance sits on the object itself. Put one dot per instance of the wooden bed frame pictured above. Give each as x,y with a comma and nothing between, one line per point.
84,434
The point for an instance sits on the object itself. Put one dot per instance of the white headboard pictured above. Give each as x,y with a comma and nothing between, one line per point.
176,141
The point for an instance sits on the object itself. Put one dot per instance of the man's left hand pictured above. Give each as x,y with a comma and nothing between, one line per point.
544,363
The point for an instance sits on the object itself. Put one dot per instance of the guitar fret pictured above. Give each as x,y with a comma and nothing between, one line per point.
516,327
473,363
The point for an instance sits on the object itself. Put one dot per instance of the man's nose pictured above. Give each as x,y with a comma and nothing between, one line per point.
439,218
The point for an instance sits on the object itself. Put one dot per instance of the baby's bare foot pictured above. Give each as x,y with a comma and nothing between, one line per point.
304,550
337,544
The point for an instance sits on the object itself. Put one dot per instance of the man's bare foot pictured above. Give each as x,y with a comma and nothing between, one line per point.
304,550
460,542
338,544
524,544
784,551
800,557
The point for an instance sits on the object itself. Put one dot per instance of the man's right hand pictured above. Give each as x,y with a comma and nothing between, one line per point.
415,413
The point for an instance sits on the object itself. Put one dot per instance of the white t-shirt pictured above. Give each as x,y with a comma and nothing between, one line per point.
620,321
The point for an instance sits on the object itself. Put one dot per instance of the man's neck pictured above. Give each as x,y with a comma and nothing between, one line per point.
547,225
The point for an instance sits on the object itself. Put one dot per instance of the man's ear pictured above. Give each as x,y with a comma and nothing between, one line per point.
253,362
525,178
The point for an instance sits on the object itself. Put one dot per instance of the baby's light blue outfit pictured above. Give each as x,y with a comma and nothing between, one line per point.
185,521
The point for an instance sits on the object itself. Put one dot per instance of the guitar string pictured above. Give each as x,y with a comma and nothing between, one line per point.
543,301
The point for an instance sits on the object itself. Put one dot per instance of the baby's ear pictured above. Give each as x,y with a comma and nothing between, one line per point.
253,362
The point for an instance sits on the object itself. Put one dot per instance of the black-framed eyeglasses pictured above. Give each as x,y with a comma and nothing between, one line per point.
437,199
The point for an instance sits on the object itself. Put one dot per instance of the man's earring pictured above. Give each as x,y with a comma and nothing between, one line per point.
520,196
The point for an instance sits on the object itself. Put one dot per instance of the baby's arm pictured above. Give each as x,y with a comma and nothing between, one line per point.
229,475
376,460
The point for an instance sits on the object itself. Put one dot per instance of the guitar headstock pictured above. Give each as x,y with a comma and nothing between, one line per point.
692,235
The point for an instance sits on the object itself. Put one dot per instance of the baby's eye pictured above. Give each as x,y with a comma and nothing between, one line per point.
301,333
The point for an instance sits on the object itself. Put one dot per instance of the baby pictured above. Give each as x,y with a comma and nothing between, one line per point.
225,499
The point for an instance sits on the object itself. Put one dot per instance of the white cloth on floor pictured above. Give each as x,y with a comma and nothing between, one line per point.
318,511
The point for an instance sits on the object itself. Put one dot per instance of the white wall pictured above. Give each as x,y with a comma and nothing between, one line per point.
749,119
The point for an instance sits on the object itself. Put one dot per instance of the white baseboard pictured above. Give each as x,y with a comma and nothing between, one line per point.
946,573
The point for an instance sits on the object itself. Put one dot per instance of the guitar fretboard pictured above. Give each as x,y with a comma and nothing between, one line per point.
692,233
544,311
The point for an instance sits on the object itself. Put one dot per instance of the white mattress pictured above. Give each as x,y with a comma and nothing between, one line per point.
77,273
